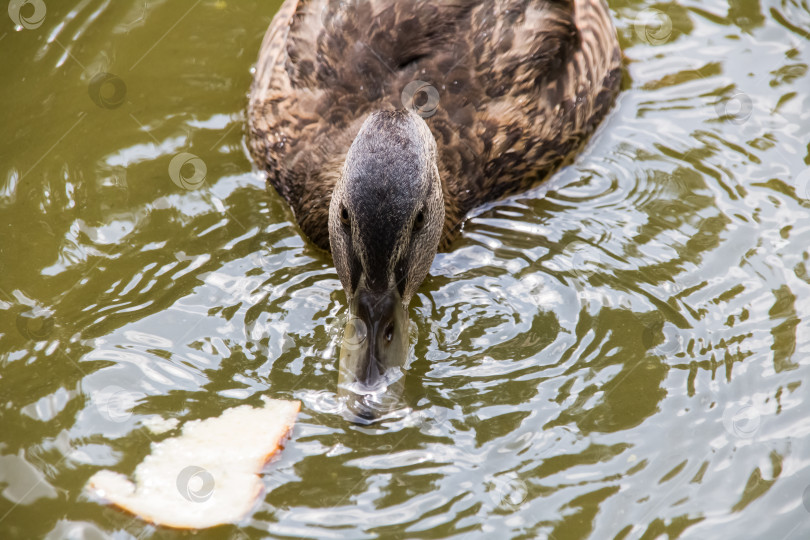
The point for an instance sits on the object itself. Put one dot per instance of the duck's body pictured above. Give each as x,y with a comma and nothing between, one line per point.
520,83
383,122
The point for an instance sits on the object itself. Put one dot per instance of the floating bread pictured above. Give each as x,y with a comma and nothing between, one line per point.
209,475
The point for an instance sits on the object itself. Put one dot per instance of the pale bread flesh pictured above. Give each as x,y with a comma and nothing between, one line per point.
206,476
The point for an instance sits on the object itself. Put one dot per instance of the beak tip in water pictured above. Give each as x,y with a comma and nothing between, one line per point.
372,356
362,418
357,411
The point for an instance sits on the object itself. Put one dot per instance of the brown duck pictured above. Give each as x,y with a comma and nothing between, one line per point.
383,122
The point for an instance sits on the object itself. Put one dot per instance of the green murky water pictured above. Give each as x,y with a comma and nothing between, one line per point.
622,352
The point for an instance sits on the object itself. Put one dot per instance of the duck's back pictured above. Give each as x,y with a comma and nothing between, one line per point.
508,88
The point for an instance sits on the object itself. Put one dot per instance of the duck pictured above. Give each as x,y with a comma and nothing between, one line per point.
382,123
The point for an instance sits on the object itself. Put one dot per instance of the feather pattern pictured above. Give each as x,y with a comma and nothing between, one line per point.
513,88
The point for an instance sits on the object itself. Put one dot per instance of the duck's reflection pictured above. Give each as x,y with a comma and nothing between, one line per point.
373,354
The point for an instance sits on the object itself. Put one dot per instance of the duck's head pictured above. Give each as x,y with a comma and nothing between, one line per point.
385,223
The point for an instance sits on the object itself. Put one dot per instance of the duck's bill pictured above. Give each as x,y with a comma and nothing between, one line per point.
373,354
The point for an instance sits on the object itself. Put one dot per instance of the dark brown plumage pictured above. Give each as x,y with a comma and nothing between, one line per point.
521,84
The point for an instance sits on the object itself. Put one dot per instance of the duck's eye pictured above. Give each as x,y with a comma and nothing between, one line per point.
389,332
344,216
419,222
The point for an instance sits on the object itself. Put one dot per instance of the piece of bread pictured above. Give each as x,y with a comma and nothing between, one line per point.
209,475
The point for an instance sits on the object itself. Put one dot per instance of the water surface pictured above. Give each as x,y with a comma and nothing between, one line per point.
621,352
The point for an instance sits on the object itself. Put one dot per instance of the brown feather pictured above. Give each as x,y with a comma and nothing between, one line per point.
521,84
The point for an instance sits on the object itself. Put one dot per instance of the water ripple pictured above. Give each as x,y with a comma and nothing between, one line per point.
619,352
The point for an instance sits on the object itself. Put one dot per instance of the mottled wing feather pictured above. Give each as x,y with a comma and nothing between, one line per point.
521,84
